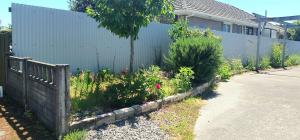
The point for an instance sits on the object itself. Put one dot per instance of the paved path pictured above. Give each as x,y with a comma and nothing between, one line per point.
253,107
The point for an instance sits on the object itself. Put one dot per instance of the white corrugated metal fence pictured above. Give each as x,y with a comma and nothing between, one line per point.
60,36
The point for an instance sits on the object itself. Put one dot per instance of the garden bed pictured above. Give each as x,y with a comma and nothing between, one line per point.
124,113
95,94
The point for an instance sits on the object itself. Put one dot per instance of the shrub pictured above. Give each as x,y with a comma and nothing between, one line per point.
265,63
202,54
224,70
293,60
181,30
130,90
250,64
136,88
236,66
276,56
182,80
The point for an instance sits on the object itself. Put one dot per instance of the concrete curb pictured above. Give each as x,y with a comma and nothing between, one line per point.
124,113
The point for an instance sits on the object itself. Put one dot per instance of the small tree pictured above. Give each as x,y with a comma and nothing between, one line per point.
126,17
294,33
80,5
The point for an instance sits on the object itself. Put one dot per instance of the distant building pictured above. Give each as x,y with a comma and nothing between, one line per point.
220,17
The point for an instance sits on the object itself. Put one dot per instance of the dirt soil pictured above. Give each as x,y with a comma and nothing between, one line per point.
16,124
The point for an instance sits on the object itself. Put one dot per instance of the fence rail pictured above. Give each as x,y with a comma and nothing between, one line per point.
42,88
41,71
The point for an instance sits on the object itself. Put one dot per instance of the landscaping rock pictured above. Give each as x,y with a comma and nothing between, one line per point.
87,123
124,113
150,106
170,99
138,128
137,109
107,118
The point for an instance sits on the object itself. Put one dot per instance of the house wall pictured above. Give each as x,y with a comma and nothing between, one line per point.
58,36
205,23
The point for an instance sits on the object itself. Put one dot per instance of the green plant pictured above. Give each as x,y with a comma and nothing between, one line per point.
276,56
265,63
28,114
224,70
80,5
87,89
113,91
76,135
136,88
236,66
293,60
250,64
294,33
126,17
202,54
179,30
182,80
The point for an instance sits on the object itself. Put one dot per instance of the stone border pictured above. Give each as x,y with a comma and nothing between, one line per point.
124,113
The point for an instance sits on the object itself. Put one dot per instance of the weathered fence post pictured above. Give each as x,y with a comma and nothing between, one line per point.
5,38
63,100
25,81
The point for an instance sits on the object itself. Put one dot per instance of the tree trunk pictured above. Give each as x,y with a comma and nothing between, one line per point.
131,54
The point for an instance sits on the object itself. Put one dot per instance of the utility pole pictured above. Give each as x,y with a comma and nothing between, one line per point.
260,29
284,45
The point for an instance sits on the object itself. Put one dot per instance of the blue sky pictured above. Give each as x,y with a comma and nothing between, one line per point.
274,7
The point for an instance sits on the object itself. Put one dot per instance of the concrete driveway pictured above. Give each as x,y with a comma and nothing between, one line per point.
253,107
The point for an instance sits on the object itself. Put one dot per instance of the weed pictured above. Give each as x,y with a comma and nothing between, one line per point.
76,135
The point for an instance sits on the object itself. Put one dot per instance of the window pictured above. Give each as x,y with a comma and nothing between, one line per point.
226,27
249,30
237,28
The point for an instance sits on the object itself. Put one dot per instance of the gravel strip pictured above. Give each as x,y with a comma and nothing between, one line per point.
138,128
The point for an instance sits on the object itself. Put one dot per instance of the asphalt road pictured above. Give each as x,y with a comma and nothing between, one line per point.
253,107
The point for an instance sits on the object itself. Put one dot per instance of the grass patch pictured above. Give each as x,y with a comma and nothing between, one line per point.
179,119
76,135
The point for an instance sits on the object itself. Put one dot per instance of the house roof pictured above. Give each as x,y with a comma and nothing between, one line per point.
212,8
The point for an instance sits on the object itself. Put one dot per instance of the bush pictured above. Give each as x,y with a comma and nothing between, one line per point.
202,54
293,60
224,70
236,66
250,64
182,80
136,88
276,56
181,30
230,67
265,63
